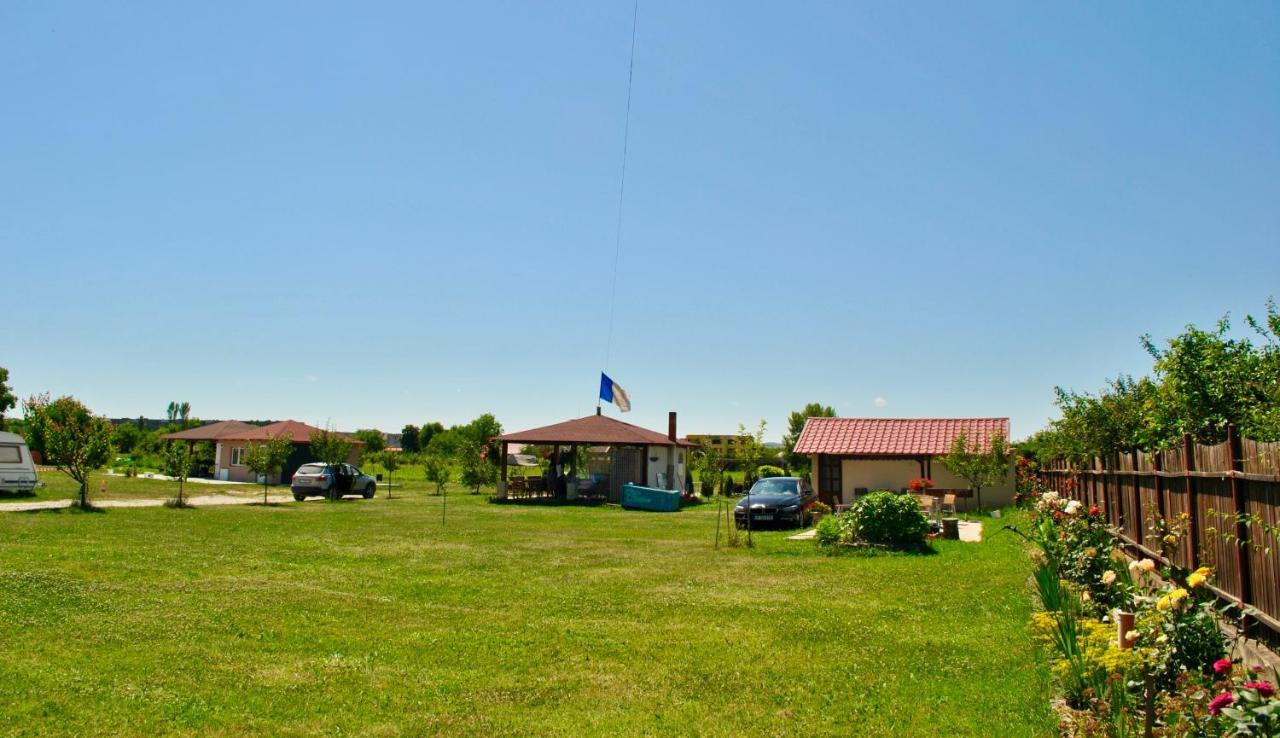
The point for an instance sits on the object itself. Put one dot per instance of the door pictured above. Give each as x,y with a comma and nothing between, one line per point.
627,468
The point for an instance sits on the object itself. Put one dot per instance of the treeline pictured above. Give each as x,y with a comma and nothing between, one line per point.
1201,382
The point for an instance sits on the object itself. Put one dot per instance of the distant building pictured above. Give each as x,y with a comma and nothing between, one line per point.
232,439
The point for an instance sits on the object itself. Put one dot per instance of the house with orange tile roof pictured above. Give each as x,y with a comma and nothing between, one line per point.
852,456
232,439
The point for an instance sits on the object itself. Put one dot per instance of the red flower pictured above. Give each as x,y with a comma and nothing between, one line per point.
1264,689
1093,510
1222,666
1226,699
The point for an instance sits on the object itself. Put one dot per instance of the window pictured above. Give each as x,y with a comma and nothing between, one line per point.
10,455
237,456
829,481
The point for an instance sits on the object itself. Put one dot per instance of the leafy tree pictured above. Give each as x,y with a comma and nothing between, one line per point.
70,437
482,430
125,436
8,400
389,460
748,450
429,431
409,440
438,471
795,424
709,462
477,470
177,464
980,466
374,441
332,449
268,458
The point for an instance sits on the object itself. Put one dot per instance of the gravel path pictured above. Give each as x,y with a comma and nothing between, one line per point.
197,500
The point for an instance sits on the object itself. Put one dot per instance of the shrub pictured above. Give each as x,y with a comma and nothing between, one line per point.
765,471
819,508
828,533
890,519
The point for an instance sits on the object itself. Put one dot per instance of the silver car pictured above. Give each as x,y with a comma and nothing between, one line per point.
338,480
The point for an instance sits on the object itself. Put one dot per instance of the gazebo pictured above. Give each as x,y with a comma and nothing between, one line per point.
636,455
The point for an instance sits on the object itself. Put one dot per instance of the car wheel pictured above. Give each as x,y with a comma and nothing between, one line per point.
299,497
369,491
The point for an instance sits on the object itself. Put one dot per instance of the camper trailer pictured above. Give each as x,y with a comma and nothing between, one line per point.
17,472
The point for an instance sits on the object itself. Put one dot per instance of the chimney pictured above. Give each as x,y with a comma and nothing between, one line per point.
671,425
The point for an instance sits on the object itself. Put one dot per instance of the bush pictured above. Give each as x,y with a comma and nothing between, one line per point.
828,533
765,471
819,508
889,519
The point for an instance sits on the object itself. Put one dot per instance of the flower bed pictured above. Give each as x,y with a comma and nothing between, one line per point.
1136,647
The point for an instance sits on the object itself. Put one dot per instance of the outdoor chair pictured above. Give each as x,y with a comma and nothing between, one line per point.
928,506
516,487
949,505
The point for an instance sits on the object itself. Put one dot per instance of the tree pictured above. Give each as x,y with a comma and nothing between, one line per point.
7,399
125,437
477,470
795,424
482,430
268,458
374,442
177,464
438,471
709,461
979,466
409,439
333,449
390,460
70,437
429,431
748,450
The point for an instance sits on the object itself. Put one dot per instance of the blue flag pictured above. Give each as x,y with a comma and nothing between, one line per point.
611,392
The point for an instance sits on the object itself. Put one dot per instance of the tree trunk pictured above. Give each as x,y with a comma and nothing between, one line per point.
84,493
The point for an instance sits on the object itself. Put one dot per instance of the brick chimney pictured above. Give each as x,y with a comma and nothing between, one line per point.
671,425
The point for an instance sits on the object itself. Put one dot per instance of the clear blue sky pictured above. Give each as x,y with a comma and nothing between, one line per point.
378,213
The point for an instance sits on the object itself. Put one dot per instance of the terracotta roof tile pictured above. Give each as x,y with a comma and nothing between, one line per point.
211,431
894,436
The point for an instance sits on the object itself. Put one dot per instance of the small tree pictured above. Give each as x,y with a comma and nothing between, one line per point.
409,439
979,466
72,439
177,464
476,469
390,460
374,442
748,451
709,461
438,471
795,424
268,458
7,399
332,449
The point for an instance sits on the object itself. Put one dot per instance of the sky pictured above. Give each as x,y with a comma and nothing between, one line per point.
372,214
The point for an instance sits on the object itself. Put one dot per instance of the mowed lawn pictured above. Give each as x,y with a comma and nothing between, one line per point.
372,618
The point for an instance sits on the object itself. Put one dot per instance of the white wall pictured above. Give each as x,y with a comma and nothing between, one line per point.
665,455
897,473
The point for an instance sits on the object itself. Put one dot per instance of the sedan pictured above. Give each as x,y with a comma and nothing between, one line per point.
775,501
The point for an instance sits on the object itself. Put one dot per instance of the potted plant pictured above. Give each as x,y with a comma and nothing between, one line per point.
817,511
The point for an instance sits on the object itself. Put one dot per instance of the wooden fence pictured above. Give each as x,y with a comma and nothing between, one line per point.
1215,486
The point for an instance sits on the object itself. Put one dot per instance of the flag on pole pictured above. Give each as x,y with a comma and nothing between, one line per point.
611,392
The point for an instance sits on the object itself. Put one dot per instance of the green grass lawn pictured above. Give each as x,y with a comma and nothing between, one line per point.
371,618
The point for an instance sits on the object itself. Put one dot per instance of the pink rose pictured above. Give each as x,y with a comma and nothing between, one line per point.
1264,689
1222,666
1226,699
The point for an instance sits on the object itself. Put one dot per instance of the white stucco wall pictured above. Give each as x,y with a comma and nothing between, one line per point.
895,474
666,455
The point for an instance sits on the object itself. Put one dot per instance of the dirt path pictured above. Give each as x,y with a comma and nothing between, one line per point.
196,500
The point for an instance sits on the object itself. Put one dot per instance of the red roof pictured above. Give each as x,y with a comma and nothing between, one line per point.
594,430
211,431
894,436
291,429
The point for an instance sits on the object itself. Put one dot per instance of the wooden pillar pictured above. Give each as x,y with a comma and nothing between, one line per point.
1189,466
504,462
1242,507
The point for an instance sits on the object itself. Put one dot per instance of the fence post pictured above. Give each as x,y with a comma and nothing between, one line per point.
1189,465
1137,500
1157,466
1242,508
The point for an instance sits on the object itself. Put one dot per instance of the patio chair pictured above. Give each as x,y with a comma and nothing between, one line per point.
949,505
928,506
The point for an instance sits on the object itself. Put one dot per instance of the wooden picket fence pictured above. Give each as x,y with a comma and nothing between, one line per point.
1215,486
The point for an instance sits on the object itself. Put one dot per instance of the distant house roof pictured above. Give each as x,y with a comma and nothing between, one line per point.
593,430
291,429
522,460
894,436
212,431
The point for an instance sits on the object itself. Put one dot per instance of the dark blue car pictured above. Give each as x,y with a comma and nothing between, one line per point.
775,501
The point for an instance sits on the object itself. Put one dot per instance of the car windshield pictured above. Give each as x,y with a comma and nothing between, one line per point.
774,487
311,469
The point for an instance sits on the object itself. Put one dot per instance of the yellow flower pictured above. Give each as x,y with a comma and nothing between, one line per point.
1172,599
1198,577
1171,538
1108,576
1163,603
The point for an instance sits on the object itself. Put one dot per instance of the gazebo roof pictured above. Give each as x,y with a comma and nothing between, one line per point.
593,430
212,431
